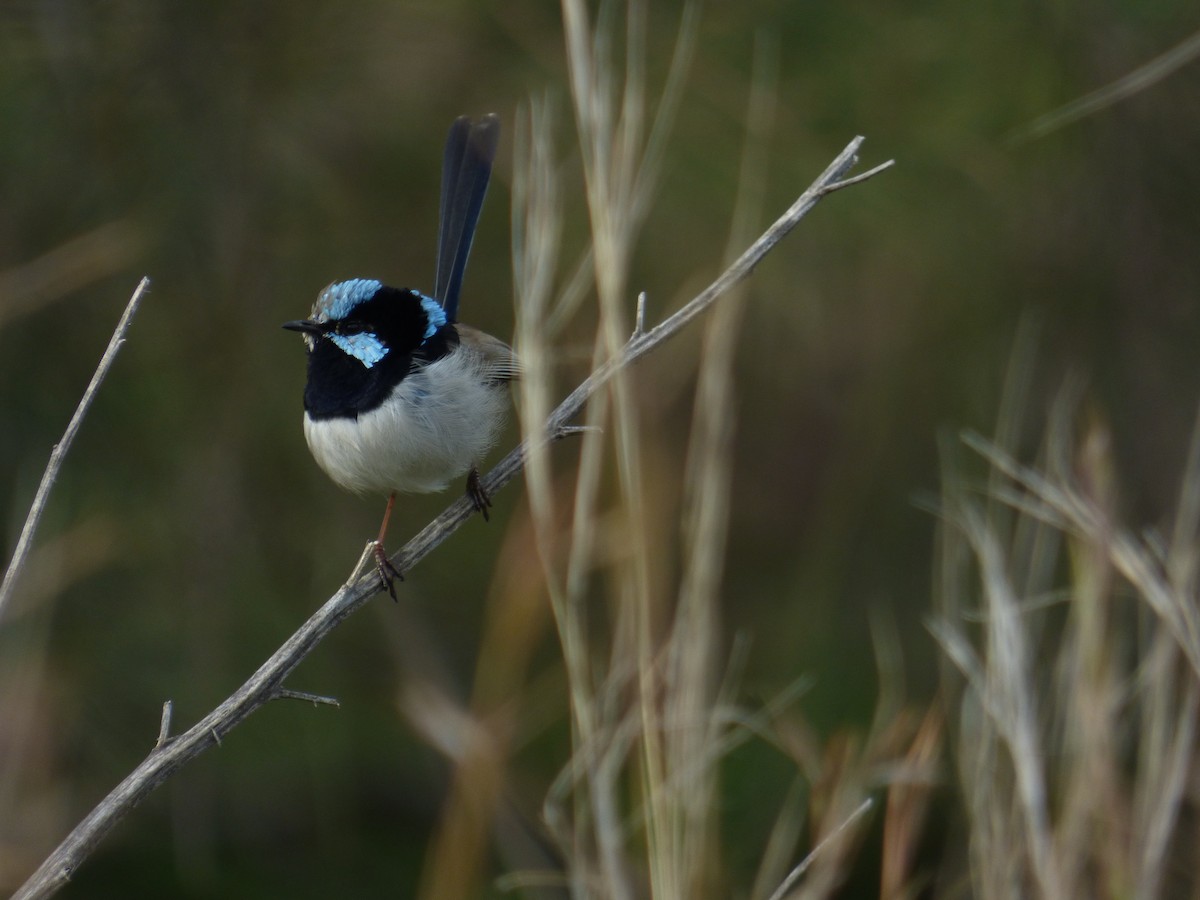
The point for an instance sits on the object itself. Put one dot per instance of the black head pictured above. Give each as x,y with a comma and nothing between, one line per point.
363,339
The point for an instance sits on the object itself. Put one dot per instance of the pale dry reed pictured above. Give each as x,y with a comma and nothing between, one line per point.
1076,667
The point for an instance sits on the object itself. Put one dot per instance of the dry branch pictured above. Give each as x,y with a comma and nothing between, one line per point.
170,754
59,453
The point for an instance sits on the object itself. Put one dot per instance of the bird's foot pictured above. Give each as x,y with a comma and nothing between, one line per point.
479,497
388,573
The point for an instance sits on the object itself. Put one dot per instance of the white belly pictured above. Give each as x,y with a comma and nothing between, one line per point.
412,443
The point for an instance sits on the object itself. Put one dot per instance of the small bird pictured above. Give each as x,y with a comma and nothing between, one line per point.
401,397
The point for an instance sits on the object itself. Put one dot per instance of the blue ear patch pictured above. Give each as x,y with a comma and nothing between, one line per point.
337,300
366,347
434,314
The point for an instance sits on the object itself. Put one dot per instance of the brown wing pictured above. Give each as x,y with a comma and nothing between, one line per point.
497,359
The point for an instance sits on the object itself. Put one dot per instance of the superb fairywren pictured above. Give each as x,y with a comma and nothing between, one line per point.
401,398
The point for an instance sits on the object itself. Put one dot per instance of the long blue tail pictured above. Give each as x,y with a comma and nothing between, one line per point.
466,168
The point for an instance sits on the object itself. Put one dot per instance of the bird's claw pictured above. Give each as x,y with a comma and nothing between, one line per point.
388,573
478,495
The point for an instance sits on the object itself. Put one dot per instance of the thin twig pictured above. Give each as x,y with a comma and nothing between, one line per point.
164,724
315,699
1140,79
861,176
806,863
58,454
266,684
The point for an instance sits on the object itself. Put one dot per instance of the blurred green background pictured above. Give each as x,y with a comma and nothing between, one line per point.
245,155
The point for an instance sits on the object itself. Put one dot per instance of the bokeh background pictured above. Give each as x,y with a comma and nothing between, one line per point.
245,155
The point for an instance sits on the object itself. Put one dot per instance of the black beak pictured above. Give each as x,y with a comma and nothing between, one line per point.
307,326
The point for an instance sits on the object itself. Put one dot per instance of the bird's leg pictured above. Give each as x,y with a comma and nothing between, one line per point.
387,572
479,497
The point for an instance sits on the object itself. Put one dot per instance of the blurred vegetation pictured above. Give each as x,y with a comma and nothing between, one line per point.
245,155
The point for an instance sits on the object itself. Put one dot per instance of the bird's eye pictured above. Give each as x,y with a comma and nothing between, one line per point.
351,326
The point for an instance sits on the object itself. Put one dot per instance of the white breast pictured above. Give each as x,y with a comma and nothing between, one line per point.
437,424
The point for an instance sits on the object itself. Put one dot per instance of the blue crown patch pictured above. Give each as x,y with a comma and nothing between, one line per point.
337,300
